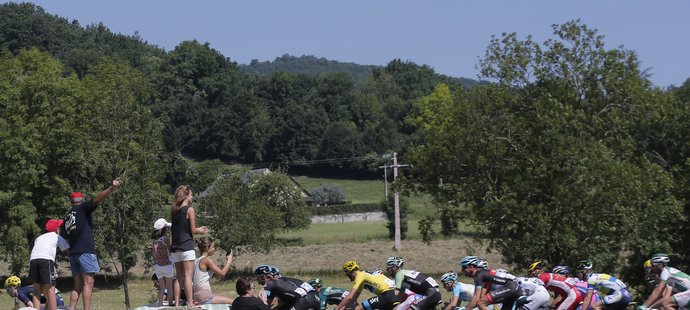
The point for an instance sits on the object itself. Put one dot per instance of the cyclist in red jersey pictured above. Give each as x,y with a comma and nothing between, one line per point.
567,296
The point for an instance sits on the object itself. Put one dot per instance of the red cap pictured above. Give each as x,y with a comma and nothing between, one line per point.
76,195
53,224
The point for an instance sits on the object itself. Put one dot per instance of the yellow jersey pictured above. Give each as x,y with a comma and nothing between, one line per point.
379,282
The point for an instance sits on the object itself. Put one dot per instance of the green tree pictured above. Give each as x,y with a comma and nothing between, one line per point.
40,136
552,146
246,210
125,141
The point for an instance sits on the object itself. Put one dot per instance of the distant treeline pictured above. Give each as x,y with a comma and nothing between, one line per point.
294,109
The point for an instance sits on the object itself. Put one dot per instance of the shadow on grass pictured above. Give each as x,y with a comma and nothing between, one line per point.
101,281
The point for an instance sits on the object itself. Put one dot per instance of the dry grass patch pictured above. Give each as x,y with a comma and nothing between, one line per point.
441,256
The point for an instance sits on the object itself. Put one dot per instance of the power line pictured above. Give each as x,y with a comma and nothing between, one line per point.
307,162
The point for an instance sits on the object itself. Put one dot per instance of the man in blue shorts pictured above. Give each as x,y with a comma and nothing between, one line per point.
77,229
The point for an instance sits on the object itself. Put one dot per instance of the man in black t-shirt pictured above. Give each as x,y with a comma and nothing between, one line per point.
293,294
77,229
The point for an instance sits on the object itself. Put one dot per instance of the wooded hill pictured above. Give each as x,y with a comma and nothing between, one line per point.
292,109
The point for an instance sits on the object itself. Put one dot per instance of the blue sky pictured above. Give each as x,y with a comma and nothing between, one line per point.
449,36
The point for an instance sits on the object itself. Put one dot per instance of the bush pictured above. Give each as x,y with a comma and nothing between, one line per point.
329,194
344,209
426,229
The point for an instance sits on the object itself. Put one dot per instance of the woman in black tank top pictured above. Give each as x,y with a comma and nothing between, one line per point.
183,227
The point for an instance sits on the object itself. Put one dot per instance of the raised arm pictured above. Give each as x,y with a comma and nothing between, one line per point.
106,192
211,265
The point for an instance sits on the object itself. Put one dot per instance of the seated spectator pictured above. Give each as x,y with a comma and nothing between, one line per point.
246,299
204,268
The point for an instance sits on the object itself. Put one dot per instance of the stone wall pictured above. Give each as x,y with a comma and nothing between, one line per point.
346,218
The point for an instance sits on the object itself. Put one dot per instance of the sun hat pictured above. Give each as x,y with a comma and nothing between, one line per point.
160,223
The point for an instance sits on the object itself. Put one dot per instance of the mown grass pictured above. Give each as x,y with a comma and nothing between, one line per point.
355,232
356,191
316,252
369,191
142,292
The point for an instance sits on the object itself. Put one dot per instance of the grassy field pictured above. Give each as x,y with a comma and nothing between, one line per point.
357,191
356,232
316,252
304,262
369,191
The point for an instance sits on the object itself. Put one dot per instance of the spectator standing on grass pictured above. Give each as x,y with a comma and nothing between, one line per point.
182,248
42,271
78,231
162,261
246,299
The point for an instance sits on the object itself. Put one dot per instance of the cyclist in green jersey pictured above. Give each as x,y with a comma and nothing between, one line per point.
330,295
672,291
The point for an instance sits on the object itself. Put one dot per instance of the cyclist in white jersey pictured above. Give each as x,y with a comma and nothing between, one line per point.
616,293
673,289
536,293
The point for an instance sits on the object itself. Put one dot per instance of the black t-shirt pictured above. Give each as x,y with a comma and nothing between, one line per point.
249,303
77,228
182,240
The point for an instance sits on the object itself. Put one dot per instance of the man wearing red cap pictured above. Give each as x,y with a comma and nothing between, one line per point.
78,229
42,272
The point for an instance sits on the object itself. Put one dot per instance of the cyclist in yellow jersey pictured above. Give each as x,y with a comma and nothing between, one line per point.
385,298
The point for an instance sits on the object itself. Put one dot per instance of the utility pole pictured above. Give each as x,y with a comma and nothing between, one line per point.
396,202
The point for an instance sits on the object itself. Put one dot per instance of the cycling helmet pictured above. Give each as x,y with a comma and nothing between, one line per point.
262,270
541,265
316,282
647,264
350,266
275,271
13,281
449,277
585,265
396,261
660,258
564,270
483,263
469,261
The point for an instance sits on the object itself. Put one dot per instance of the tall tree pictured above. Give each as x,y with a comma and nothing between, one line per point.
40,134
125,141
552,141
